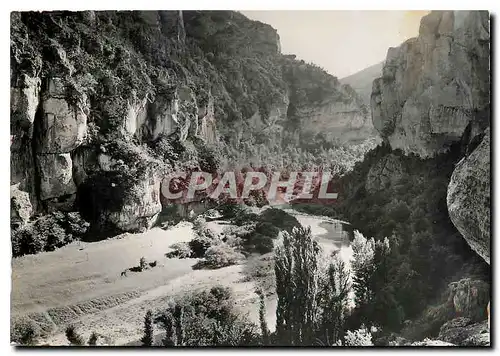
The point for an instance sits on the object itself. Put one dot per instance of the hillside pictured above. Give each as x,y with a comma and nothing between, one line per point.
362,81
105,103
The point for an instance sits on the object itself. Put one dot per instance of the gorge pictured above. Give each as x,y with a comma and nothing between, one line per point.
106,104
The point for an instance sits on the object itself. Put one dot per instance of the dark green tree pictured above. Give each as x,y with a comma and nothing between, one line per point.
93,339
168,325
73,337
333,299
148,338
262,318
296,269
179,324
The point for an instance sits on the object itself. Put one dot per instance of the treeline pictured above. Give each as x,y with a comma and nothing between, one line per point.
318,302
408,205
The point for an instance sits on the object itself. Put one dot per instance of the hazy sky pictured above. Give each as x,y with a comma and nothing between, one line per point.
342,42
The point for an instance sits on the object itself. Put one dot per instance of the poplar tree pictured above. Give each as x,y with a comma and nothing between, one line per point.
296,269
147,339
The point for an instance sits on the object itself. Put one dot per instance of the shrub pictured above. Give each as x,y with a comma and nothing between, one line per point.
47,233
148,338
180,250
219,256
24,333
259,243
360,337
208,318
201,242
93,339
279,218
73,337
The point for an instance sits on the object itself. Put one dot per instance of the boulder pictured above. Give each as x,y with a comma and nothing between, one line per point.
468,198
140,207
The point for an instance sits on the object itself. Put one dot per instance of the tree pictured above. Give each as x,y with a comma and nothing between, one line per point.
93,339
333,300
142,263
179,324
168,325
148,338
73,337
363,267
296,269
262,318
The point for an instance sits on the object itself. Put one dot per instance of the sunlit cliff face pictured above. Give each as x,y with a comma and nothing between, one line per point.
342,42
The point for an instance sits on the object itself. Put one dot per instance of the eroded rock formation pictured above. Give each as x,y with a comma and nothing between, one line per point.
103,103
435,85
468,199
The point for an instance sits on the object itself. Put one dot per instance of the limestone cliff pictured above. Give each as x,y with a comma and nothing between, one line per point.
435,86
105,103
435,92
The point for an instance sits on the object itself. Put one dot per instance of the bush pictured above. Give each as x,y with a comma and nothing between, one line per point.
360,337
279,218
73,337
202,241
24,333
180,250
48,233
219,256
209,318
256,242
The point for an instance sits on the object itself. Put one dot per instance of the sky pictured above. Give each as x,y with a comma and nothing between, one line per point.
341,42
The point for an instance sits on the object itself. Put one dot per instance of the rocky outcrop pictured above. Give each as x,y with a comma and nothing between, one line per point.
386,172
62,126
140,207
433,86
470,298
20,206
464,332
468,198
162,86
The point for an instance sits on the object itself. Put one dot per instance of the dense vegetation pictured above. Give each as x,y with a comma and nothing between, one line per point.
250,234
427,252
106,60
313,304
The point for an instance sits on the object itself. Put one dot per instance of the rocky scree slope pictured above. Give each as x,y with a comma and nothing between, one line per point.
103,104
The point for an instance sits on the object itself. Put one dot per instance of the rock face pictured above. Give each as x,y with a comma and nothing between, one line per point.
164,88
470,298
387,172
436,85
464,332
362,81
468,199
141,206
63,126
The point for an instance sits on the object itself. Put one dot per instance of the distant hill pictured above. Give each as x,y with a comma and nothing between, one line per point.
362,81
